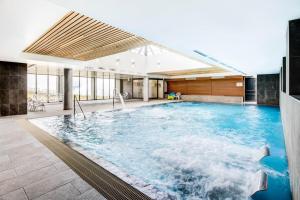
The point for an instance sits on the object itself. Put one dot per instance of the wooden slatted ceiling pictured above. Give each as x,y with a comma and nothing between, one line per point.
79,37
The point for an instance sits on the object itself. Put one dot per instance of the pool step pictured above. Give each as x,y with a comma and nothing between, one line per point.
261,177
265,151
262,182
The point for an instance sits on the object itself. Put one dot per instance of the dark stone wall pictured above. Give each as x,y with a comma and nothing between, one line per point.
268,89
294,56
284,74
13,88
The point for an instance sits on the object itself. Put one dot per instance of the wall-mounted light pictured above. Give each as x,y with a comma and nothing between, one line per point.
132,63
117,61
88,68
239,84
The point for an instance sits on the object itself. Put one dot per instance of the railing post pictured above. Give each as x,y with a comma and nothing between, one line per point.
74,111
114,99
75,99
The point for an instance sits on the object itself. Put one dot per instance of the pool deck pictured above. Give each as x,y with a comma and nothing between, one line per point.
29,170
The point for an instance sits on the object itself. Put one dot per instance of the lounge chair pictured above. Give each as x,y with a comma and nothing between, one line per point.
125,95
34,105
178,96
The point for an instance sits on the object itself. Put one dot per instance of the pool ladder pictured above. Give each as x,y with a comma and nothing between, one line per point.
74,107
119,95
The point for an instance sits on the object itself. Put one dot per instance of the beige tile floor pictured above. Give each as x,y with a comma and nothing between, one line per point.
28,170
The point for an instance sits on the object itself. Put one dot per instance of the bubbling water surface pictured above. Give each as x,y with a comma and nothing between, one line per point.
182,150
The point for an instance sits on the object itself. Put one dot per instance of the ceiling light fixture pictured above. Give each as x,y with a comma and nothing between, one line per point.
117,61
132,63
158,63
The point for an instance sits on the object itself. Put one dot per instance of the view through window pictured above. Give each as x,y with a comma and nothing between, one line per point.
45,84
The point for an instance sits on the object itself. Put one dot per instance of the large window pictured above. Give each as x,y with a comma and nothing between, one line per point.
76,86
137,88
156,89
44,83
83,85
42,88
53,88
83,88
111,87
106,88
160,89
55,92
90,88
153,89
100,88
31,85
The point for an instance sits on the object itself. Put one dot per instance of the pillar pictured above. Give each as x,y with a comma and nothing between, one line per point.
68,89
146,89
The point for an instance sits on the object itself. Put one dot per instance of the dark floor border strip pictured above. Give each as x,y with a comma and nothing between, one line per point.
109,185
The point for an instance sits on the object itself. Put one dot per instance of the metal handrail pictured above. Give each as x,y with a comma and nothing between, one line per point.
115,93
74,102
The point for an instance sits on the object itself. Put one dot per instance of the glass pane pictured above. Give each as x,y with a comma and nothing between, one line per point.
31,85
112,87
160,89
106,88
42,93
76,86
100,74
90,96
127,87
53,88
152,88
75,73
53,71
138,89
42,69
99,88
61,88
83,88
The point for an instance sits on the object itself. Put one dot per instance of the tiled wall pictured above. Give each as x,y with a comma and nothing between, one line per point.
268,89
13,88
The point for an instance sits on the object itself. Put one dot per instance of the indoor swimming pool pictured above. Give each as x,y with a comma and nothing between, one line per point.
183,150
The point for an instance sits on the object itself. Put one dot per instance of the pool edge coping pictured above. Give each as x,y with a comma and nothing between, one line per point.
106,183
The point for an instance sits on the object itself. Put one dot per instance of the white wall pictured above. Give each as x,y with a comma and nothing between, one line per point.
290,114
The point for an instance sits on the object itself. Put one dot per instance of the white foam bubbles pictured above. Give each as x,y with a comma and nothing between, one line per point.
209,167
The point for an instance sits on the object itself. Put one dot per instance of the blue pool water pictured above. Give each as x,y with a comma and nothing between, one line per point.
184,150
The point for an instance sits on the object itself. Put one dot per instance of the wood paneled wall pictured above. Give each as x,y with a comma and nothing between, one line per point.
226,86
